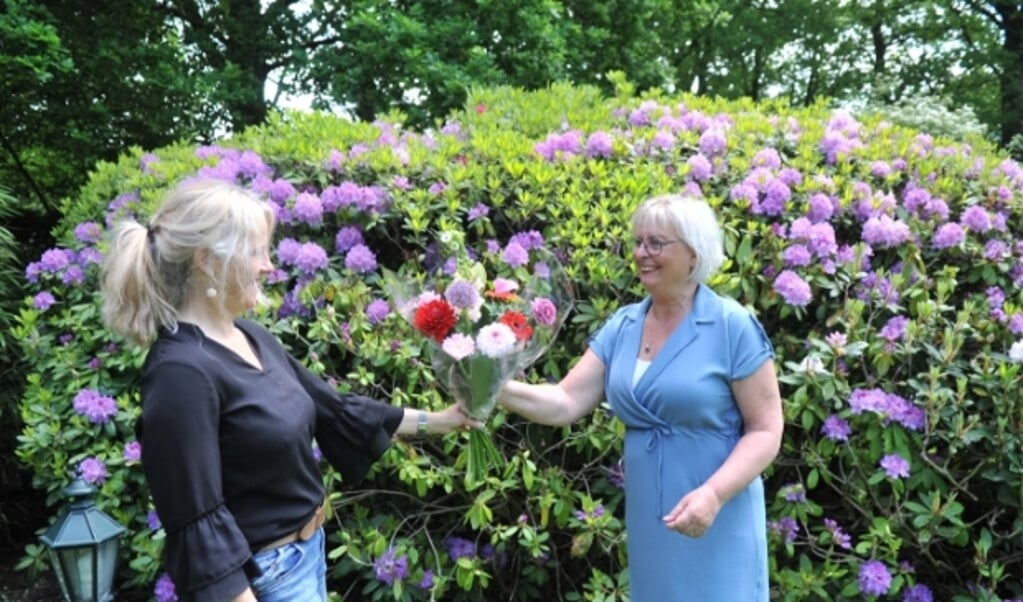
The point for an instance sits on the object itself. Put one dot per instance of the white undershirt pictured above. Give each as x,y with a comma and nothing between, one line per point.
641,366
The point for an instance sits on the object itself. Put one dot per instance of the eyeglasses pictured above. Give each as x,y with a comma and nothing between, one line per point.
653,246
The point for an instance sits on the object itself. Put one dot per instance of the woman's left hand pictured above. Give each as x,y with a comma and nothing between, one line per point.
449,419
694,513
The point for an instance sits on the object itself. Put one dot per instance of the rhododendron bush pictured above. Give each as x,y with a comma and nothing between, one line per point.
882,261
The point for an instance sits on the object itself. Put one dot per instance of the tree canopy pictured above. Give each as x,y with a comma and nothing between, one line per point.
86,81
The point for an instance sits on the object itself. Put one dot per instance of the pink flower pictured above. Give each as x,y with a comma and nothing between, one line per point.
503,286
458,346
544,311
496,340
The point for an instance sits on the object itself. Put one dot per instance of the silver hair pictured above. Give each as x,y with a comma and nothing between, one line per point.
695,223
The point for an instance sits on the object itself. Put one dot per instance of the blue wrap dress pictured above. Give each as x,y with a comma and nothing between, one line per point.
681,423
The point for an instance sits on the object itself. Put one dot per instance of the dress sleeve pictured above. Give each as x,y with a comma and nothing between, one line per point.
748,344
205,552
352,431
603,341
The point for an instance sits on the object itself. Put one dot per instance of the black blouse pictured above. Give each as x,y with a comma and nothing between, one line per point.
227,450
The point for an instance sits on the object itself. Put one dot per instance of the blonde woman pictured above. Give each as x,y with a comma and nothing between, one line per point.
228,415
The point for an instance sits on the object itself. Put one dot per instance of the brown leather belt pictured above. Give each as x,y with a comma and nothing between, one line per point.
307,531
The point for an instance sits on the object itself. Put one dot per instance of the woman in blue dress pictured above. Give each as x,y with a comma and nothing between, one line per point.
691,375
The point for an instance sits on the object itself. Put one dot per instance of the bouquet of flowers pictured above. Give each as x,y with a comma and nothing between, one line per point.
484,328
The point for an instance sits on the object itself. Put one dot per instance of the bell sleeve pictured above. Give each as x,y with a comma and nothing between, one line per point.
205,552
352,431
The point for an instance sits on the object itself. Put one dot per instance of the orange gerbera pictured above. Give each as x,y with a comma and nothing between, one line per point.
518,323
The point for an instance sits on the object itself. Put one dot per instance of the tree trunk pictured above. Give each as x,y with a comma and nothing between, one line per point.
1012,69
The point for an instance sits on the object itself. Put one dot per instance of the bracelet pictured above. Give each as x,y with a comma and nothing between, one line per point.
421,423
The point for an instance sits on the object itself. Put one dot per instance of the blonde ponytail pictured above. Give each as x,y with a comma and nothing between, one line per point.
147,270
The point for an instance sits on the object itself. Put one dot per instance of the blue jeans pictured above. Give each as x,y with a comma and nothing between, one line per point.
294,572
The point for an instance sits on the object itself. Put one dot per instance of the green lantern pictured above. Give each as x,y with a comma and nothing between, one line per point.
83,544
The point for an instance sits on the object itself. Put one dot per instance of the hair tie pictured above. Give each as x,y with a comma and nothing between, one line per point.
151,232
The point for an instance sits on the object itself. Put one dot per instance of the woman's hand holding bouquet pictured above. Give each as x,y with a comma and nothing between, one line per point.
486,326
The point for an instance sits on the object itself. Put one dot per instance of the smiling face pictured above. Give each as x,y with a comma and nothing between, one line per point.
244,289
663,261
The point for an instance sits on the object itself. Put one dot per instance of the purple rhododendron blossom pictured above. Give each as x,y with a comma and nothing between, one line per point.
892,407
347,237
360,259
874,578
895,328
164,590
797,256
427,581
132,451
459,547
515,255
377,310
616,474
794,492
88,232
977,219
310,257
884,232
98,408
1016,323
478,212
792,288
996,250
820,207
146,161
529,240
836,428
786,526
389,567
768,158
895,466
663,141
90,255
93,470
712,142
838,536
564,145
55,260
948,235
918,593
43,301
700,168
288,250
880,169
73,275
308,208
335,159
599,144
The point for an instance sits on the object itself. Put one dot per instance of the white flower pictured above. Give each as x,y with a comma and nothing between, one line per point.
496,340
458,346
1016,351
812,364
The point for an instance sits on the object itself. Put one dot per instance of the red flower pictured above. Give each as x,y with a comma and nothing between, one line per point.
518,323
435,319
481,108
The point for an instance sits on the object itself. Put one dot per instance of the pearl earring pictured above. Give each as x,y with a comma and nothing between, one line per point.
211,292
